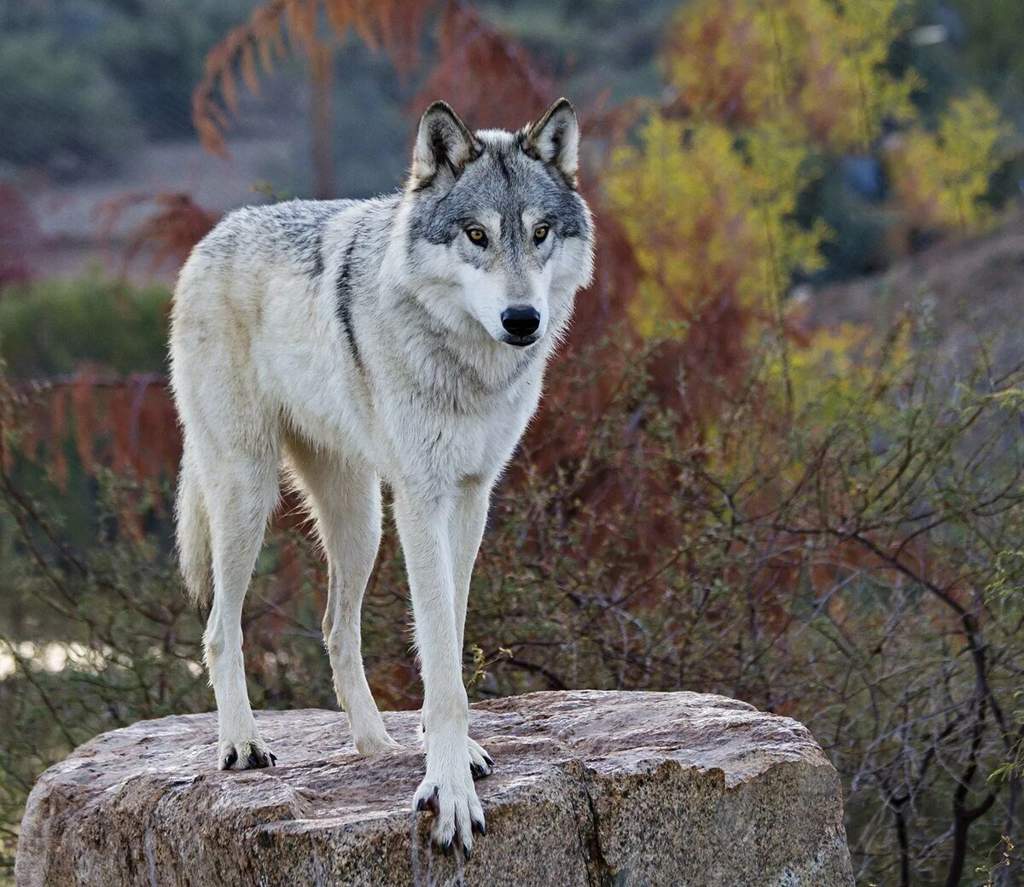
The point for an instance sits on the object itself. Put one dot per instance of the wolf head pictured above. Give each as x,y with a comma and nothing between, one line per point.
498,237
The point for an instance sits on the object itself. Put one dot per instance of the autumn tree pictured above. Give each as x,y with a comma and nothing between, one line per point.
504,88
763,98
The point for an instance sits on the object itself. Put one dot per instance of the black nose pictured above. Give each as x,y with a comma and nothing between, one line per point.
520,321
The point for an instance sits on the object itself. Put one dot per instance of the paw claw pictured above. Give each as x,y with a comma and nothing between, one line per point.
247,754
456,808
479,827
481,764
429,802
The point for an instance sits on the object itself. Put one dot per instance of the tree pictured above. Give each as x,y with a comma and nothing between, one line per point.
503,87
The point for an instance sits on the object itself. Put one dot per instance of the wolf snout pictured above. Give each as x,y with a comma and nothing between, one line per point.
521,323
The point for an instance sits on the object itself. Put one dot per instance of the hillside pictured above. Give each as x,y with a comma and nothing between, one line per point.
961,294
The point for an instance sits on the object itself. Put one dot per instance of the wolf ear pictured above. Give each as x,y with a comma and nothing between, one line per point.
444,145
555,139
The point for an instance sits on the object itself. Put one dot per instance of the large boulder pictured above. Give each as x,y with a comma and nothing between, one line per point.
589,788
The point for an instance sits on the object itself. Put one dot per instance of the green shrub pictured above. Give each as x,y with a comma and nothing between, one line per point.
49,328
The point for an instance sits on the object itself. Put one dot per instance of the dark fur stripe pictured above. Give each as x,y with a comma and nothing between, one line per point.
343,303
318,254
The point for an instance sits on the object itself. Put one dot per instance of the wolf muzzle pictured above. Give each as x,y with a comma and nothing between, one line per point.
521,323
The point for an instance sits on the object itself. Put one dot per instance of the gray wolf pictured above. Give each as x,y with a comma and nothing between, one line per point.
400,340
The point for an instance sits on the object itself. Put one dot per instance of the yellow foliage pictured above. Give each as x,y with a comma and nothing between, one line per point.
710,219
940,178
815,68
765,90
839,366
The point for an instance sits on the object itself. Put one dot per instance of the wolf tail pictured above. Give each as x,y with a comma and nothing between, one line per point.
194,554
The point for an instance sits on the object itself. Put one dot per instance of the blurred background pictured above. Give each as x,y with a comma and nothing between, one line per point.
779,458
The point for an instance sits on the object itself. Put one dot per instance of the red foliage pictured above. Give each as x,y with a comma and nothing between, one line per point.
176,224
125,424
505,89
393,26
19,236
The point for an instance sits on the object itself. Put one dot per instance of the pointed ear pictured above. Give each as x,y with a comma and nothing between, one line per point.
555,139
444,145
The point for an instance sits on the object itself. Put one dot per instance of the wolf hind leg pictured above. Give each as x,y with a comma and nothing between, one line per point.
239,493
344,497
193,533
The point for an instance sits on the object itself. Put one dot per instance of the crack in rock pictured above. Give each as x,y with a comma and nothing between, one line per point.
602,875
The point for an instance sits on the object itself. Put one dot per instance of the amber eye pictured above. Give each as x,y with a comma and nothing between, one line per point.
477,236
540,234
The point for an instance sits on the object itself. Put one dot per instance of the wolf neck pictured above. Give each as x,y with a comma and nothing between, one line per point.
465,368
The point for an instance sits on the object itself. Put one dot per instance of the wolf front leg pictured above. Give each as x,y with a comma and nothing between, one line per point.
467,528
447,788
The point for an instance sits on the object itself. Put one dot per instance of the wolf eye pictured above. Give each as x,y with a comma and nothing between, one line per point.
540,234
477,236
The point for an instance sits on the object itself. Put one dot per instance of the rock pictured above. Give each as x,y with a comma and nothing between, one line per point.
590,787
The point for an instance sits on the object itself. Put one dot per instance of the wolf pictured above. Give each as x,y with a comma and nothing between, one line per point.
400,340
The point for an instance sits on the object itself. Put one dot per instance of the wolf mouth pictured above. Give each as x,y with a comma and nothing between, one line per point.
520,341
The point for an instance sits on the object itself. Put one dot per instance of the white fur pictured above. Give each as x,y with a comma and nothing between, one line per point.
262,375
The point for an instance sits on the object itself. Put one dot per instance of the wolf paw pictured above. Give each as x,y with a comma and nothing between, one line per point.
481,764
458,814
376,744
245,754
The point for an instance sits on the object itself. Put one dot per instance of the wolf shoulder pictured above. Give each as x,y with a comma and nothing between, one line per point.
297,235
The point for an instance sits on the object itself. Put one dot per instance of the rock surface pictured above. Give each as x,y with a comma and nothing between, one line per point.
590,787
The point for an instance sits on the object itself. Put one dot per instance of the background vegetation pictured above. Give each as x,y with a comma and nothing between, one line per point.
736,485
